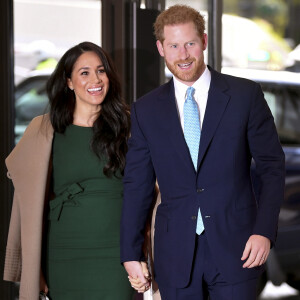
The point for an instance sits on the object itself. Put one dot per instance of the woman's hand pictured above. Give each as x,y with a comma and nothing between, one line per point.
43,284
136,282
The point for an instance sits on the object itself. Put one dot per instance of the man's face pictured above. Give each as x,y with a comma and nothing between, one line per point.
182,50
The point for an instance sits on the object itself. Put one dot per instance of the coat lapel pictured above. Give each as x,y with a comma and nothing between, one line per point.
28,163
216,105
169,113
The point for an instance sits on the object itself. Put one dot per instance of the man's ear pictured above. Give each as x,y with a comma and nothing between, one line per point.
204,41
160,48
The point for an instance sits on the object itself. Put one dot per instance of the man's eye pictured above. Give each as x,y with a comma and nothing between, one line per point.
173,46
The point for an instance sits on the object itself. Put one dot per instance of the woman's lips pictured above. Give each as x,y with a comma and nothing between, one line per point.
98,89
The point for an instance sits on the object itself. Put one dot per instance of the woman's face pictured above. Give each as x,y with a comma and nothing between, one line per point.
89,81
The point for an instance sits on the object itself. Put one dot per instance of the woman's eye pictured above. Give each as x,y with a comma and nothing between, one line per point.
84,73
101,71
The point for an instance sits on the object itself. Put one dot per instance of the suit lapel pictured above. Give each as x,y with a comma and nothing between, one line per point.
169,113
216,105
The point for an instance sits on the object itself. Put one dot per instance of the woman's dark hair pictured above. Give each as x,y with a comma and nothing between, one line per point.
112,126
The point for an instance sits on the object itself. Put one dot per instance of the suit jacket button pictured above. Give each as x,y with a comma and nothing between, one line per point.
193,217
200,190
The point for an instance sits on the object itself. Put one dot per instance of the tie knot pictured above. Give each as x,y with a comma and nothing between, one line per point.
189,92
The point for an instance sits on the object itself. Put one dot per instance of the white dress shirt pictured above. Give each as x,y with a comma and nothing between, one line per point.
201,87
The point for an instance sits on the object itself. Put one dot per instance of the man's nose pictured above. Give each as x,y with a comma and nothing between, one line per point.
183,53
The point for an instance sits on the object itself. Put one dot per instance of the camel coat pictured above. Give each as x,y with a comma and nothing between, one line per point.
28,167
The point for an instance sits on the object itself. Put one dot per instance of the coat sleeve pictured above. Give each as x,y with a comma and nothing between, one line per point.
28,165
139,185
269,166
13,257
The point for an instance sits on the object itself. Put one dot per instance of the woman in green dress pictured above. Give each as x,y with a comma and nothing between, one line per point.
91,125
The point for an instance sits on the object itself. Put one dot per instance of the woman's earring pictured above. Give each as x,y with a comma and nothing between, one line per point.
66,89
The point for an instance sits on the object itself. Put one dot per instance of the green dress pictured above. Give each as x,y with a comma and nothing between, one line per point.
83,252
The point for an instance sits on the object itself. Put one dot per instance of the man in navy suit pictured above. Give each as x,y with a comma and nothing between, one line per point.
212,235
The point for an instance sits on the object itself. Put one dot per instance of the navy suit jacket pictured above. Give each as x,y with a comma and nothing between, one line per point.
237,127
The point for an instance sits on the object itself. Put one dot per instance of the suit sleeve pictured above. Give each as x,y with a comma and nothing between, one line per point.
139,184
269,165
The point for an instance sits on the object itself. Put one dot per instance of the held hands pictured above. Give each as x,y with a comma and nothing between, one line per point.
256,251
139,276
43,284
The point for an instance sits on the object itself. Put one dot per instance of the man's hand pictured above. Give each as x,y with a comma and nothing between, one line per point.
137,284
138,275
256,251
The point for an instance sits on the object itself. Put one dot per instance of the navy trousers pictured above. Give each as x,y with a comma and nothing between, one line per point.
207,282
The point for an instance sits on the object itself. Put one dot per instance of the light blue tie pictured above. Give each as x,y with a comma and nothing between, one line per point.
192,132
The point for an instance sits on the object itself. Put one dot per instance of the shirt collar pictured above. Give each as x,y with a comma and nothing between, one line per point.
201,85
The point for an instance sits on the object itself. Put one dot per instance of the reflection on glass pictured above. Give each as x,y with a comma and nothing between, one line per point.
43,31
30,101
255,34
284,103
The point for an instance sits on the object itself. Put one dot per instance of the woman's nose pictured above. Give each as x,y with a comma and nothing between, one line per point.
97,78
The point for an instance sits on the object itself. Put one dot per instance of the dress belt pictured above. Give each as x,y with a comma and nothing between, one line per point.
68,194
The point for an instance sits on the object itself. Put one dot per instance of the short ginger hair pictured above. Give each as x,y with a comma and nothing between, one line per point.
178,14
